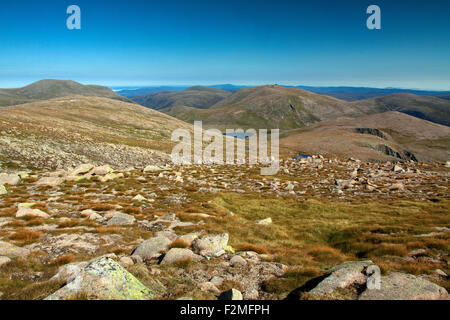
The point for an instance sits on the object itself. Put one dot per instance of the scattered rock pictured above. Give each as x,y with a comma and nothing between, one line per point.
4,260
11,179
153,168
237,261
212,245
232,294
188,238
50,181
342,276
217,281
101,171
68,272
440,273
397,187
179,254
139,198
397,169
152,247
209,287
401,286
126,261
121,219
81,169
251,294
12,251
265,221
25,210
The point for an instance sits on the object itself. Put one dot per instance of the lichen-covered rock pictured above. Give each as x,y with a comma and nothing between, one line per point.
121,219
12,251
152,247
211,245
104,279
401,286
342,276
3,190
26,210
179,254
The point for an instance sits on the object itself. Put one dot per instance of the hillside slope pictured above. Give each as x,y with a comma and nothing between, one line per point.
428,108
49,89
384,136
68,131
271,107
196,97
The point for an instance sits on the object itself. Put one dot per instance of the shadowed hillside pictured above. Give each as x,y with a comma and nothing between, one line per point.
429,108
48,89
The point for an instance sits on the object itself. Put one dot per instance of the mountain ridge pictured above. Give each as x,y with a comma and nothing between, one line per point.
49,88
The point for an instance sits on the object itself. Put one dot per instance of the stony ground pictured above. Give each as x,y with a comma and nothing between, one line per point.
198,231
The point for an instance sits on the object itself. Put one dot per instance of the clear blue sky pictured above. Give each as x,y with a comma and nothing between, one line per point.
236,41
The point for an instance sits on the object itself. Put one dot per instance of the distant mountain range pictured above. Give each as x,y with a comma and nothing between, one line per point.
65,123
361,93
342,93
48,89
274,106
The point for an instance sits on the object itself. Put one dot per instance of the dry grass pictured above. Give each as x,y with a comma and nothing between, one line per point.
179,243
25,235
64,259
245,246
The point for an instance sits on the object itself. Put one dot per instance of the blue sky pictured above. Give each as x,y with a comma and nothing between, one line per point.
241,42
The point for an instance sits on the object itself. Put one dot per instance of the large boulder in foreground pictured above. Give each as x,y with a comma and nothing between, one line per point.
401,286
342,276
354,275
104,279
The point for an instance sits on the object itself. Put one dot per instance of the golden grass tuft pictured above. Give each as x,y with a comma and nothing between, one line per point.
245,246
179,243
25,235
64,259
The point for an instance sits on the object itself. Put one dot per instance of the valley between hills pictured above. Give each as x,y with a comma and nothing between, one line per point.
89,196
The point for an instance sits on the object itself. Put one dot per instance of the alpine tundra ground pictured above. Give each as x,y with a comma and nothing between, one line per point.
323,212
